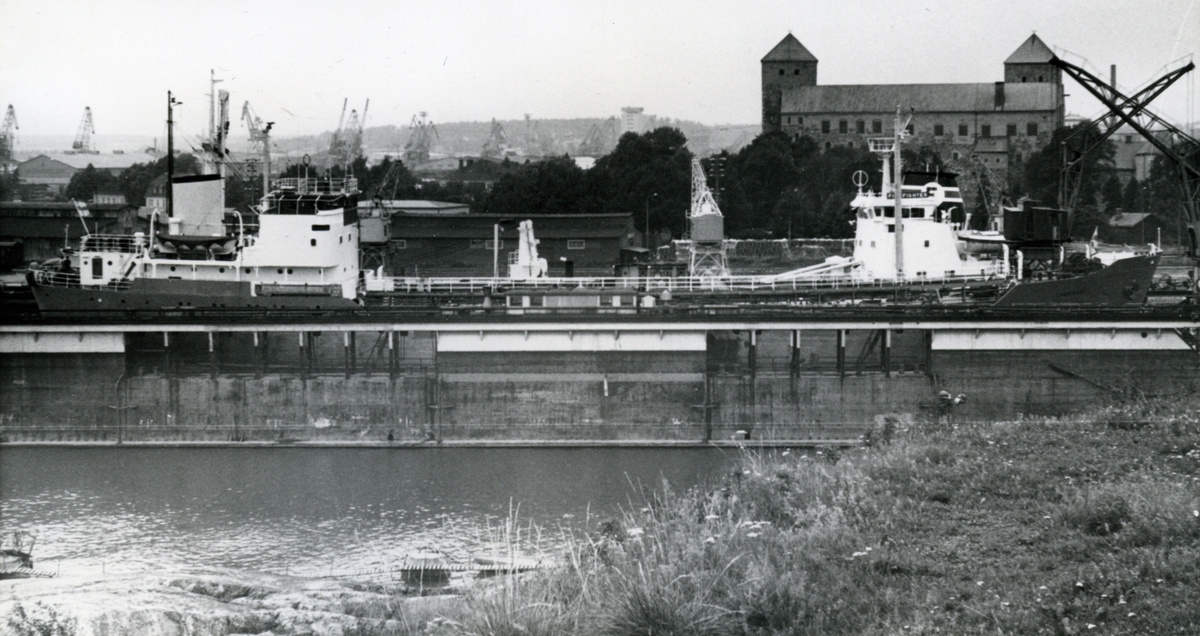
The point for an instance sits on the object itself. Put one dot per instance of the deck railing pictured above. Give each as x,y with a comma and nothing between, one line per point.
451,285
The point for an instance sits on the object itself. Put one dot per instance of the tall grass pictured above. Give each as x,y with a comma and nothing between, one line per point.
1088,524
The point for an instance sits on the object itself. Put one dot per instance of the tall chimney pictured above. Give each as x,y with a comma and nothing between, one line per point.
1113,76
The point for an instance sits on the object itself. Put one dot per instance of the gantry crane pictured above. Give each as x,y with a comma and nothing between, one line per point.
84,143
1178,147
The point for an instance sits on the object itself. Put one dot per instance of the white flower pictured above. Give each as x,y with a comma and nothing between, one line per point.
711,517
752,534
710,540
636,532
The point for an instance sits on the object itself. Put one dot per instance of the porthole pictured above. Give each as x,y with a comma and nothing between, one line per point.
289,270
172,268
221,270
247,270
279,271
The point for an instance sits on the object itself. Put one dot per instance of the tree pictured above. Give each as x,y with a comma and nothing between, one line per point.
86,183
136,179
652,170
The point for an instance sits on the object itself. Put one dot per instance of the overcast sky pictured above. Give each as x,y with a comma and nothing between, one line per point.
297,60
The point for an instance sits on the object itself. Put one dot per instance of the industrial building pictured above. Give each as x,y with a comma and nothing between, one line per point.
463,245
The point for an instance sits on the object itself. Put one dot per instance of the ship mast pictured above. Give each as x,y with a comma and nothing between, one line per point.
898,190
170,158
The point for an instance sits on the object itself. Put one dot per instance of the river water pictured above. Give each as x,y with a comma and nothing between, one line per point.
319,511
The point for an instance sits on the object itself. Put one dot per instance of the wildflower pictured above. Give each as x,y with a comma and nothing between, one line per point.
786,453
1091,626
636,532
752,535
1131,615
711,517
979,583
1196,513
568,516
858,554
1042,587
710,540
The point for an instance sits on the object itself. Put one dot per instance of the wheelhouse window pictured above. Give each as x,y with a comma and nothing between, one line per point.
576,244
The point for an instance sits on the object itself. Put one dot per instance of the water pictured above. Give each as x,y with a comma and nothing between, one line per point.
313,511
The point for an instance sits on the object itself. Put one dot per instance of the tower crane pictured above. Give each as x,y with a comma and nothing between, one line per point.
83,139
8,135
260,141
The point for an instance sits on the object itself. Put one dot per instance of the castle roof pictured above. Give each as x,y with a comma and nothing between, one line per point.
1032,51
927,98
789,49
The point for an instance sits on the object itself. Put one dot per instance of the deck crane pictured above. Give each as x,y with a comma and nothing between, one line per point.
8,136
83,139
260,141
1178,147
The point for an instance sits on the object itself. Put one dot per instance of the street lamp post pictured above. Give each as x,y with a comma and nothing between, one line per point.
496,247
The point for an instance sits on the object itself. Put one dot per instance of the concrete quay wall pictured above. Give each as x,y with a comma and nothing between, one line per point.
768,385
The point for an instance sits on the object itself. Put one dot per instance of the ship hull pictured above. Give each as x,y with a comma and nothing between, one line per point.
176,294
1124,283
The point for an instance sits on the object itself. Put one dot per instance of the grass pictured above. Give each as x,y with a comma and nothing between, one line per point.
1082,525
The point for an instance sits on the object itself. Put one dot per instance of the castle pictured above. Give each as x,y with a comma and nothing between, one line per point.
992,122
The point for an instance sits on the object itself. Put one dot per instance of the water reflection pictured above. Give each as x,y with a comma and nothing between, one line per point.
315,511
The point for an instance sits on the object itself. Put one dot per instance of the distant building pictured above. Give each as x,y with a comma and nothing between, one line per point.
46,175
1133,228
993,119
462,245
635,120
45,228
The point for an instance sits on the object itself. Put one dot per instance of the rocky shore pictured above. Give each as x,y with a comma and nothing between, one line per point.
217,603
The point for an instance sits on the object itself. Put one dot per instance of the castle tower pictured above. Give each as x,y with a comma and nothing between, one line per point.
788,65
1030,63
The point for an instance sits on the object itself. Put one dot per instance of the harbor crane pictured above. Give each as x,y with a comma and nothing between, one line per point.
84,144
496,145
600,139
1178,147
8,136
260,141
706,230
420,139
346,145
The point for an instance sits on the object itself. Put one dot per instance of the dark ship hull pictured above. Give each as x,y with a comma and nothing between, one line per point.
1124,283
143,293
